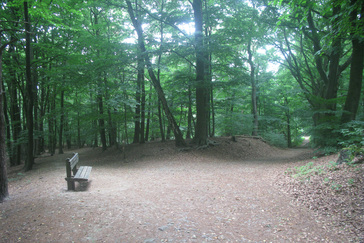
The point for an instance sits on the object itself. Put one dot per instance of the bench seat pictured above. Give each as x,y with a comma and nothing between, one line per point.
83,173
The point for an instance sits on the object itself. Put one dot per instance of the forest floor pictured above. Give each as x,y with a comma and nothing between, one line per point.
243,191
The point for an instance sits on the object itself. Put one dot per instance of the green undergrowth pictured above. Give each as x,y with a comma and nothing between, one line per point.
307,172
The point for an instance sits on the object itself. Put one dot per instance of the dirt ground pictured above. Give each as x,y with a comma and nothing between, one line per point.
157,193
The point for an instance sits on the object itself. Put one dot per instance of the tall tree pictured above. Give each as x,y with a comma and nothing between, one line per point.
314,49
3,172
254,89
29,88
202,94
357,62
176,130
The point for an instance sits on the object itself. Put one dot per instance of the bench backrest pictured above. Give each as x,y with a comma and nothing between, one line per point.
71,164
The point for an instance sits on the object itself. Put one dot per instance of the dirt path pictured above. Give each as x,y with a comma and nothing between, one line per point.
159,194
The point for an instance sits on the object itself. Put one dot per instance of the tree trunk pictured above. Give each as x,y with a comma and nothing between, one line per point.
3,173
201,130
356,70
333,76
288,119
208,71
52,124
254,91
177,132
138,101
142,112
160,119
160,115
61,125
102,122
7,123
15,152
125,137
29,88
42,109
149,114
189,114
35,98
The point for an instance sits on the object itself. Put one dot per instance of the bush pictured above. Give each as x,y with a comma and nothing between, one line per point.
275,139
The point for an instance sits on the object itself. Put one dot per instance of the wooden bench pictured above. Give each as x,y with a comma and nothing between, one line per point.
74,174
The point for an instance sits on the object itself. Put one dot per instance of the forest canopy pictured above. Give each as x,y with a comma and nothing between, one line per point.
107,72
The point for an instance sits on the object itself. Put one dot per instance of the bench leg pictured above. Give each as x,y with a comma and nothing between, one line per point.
71,185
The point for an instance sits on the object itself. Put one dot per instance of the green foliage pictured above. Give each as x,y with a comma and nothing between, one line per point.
306,171
275,139
352,139
352,134
88,49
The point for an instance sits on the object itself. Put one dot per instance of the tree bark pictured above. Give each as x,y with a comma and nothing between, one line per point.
29,88
52,124
149,114
177,132
288,118
142,112
189,114
61,125
4,192
137,116
356,69
336,51
160,113
254,91
201,130
15,151
102,122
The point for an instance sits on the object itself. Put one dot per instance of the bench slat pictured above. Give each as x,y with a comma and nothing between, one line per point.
74,160
83,173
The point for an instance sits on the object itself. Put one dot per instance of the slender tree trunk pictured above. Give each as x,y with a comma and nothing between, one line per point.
61,125
177,132
15,152
212,105
69,133
142,112
333,76
35,98
160,118
100,91
208,71
112,129
42,109
52,124
102,122
149,114
79,143
138,102
201,130
189,114
3,173
254,91
288,119
29,87
126,138
7,123
160,114
356,69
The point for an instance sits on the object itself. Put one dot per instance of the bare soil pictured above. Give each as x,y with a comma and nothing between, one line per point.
155,192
